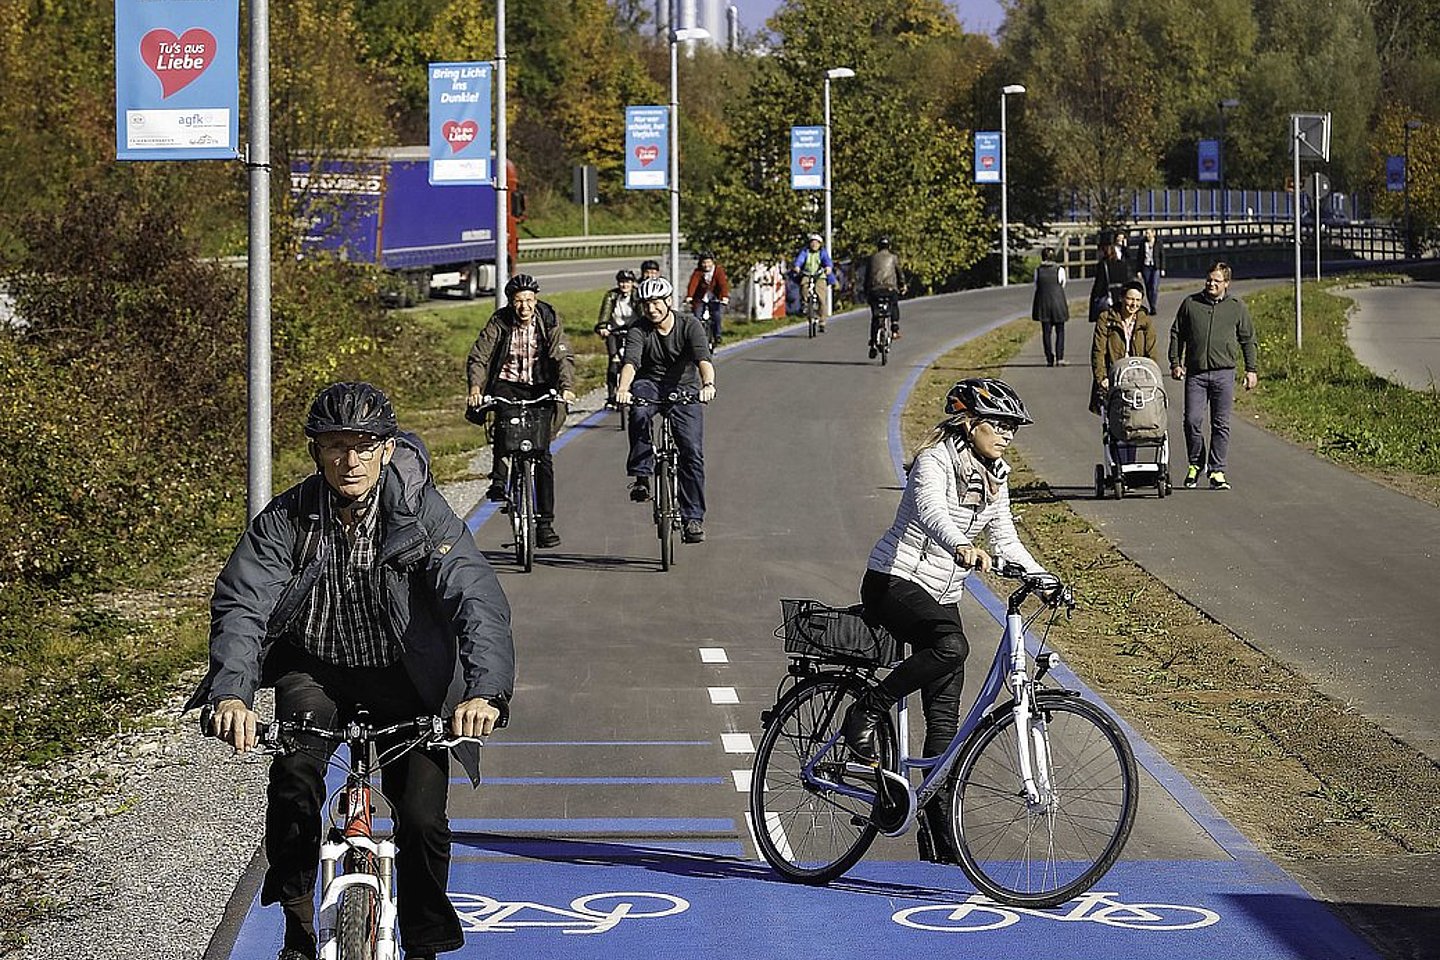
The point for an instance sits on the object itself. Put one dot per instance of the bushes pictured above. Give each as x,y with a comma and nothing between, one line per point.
123,417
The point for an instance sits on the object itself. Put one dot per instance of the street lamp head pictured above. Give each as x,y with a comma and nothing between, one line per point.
1229,104
1012,88
686,34
839,73
1413,124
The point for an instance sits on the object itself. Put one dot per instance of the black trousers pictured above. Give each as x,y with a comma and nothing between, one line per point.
544,463
936,667
417,786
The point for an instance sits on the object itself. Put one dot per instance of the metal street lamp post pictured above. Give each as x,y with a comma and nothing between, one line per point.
1008,90
835,73
1409,225
1228,104
677,37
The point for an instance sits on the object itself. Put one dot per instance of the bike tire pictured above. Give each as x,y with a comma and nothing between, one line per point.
664,513
1039,858
527,513
358,917
809,835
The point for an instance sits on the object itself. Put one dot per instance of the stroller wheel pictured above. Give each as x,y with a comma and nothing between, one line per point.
1118,485
1099,482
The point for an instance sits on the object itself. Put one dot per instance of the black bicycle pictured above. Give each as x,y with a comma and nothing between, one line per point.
522,433
884,310
667,482
810,289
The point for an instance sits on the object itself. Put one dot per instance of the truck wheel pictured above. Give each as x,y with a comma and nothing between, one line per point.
470,289
422,286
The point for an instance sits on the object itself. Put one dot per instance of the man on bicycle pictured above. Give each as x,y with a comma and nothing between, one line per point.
813,264
359,589
667,353
883,285
522,353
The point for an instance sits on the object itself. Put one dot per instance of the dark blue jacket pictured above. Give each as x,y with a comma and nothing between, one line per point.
443,603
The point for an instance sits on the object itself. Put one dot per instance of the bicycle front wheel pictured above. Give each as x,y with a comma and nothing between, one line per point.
525,551
665,513
1042,854
810,833
358,915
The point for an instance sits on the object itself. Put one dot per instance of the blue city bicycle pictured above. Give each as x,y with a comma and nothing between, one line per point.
1044,785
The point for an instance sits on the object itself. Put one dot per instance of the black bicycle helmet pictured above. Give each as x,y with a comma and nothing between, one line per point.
352,407
624,275
521,281
704,255
656,288
883,243
987,397
650,265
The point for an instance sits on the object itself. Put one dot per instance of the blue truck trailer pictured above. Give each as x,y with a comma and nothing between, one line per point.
378,206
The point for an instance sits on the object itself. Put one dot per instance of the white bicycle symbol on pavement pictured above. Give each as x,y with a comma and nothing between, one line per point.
978,914
592,913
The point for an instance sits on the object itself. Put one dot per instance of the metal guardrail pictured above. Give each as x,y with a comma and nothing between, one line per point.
585,248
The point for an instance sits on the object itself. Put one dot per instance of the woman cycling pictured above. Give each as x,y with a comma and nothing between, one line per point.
956,491
617,313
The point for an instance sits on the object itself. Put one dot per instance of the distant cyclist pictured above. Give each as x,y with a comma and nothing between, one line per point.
667,353
814,265
708,294
883,284
522,353
618,312
956,490
649,269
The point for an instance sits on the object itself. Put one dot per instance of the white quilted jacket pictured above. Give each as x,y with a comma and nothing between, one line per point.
948,503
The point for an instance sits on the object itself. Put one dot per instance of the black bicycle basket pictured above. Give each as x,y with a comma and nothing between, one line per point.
521,429
833,634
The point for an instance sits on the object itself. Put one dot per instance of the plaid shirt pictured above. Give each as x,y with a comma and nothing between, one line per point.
519,366
343,624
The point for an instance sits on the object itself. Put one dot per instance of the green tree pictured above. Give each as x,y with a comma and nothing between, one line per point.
899,168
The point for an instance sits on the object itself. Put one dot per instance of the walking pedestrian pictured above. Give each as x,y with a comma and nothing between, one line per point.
1150,267
1211,329
1049,306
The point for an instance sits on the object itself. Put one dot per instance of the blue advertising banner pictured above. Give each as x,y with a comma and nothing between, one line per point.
177,79
460,123
647,148
1395,174
1208,158
807,158
987,157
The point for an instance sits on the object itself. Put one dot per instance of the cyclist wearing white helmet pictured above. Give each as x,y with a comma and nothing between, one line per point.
813,264
955,492
522,353
668,354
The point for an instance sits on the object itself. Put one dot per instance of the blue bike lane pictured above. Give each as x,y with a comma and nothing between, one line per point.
612,821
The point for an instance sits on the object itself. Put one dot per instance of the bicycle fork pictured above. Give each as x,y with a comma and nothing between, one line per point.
333,887
1032,745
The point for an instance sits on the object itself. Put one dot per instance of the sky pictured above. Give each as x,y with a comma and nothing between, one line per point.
978,16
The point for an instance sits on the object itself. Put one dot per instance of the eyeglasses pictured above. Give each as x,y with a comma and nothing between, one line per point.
339,452
1004,428
1216,280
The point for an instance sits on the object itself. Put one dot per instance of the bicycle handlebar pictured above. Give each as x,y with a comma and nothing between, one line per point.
675,399
487,401
430,731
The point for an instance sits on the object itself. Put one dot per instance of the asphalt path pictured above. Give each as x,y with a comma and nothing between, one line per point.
1395,331
612,821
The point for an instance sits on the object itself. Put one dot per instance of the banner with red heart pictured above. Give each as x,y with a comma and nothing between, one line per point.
177,61
806,163
459,135
647,155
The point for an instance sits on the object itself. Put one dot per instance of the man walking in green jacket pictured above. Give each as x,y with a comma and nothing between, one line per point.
1210,330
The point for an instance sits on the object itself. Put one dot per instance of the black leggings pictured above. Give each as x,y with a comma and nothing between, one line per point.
937,666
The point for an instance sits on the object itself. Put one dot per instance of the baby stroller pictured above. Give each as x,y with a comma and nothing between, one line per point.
1134,430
